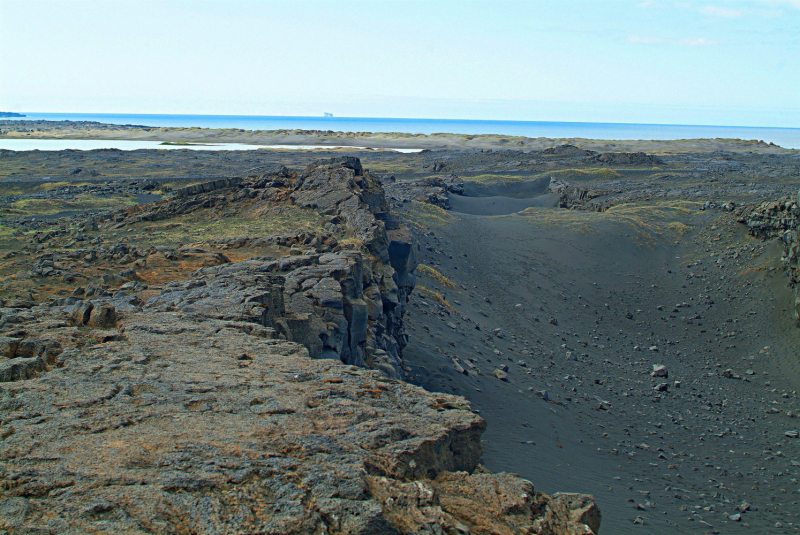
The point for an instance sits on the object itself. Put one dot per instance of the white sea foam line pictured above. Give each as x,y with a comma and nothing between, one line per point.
92,144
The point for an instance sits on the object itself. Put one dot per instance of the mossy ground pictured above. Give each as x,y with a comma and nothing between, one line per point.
247,220
432,273
85,202
423,215
644,221
432,294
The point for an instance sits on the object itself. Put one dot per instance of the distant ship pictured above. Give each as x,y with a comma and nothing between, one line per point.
326,114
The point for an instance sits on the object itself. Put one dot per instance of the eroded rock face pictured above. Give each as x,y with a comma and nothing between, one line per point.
194,424
342,305
483,503
773,219
341,187
432,190
780,219
625,158
375,289
206,187
572,197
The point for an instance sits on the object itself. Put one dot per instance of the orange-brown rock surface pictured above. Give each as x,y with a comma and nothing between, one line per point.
189,424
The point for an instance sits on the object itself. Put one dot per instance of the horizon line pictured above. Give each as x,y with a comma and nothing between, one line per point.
409,119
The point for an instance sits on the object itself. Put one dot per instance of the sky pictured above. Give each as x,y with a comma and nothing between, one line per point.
662,62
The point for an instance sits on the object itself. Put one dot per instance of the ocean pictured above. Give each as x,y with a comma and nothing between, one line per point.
785,137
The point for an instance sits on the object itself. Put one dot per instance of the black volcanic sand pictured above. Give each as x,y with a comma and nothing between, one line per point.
523,189
499,205
681,460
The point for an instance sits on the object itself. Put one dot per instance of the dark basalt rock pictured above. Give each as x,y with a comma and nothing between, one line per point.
625,158
432,190
780,219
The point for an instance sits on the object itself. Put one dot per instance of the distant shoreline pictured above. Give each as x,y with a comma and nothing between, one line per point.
90,130
4,114
786,137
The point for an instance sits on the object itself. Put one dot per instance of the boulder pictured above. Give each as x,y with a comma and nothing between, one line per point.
18,369
8,346
103,316
82,313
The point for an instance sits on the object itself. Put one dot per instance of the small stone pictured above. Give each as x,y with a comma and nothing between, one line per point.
500,374
659,370
736,517
102,335
792,434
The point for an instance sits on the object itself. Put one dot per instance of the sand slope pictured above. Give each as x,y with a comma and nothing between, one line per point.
497,205
708,443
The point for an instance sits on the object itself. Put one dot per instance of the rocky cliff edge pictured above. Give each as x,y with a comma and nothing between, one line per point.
240,400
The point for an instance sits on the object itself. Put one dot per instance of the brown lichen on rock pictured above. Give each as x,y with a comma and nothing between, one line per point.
501,503
195,424
241,400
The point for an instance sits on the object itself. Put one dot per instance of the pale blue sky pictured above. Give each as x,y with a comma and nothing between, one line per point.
723,62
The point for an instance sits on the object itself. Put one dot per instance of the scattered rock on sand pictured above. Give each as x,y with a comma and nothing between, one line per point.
500,374
659,370
728,374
